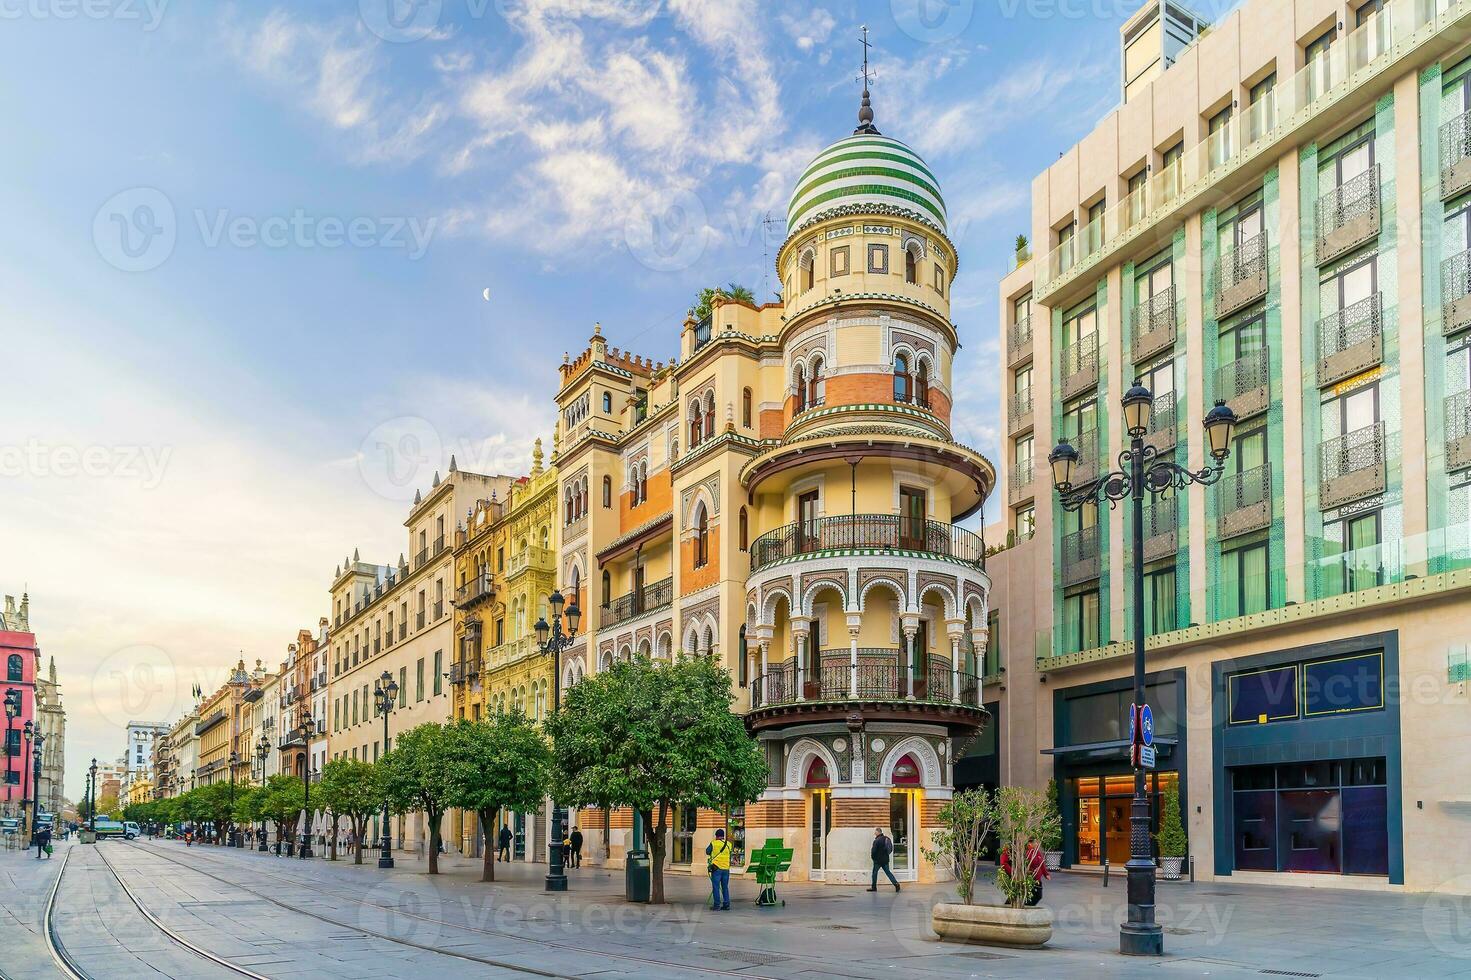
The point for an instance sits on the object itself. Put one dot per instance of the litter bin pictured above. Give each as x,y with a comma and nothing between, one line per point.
636,872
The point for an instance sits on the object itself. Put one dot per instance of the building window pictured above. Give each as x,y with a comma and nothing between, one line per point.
1025,524
1244,587
806,263
14,667
901,378
607,502
911,263
1080,621
419,677
607,403
403,686
799,389
746,407
838,261
922,383
744,529
816,384
438,672
607,589
939,280
1159,600
702,535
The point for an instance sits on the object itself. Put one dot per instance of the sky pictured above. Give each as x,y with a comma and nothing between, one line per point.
263,269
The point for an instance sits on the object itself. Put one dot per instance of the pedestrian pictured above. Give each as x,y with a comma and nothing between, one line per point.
880,852
43,842
576,847
718,851
504,840
1036,866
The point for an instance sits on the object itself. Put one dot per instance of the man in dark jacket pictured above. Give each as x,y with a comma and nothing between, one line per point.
576,847
504,840
882,848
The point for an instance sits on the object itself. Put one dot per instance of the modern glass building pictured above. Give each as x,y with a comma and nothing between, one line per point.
1279,219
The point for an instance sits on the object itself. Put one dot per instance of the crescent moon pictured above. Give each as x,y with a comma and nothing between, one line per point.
485,294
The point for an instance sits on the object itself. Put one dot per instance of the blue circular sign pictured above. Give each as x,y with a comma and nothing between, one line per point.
1146,722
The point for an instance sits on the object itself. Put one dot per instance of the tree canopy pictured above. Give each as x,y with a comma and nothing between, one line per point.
730,290
500,763
353,789
651,736
417,777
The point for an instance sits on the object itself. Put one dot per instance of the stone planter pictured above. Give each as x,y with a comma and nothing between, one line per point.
1054,860
1169,868
992,925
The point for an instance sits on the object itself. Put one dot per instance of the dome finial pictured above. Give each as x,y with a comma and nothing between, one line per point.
865,108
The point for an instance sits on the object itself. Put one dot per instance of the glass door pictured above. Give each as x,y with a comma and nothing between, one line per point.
684,835
901,826
807,530
912,512
821,823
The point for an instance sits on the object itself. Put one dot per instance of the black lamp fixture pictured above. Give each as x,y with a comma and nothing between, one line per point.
385,693
1142,474
552,641
306,728
263,752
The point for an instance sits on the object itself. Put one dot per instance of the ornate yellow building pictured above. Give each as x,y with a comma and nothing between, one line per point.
786,496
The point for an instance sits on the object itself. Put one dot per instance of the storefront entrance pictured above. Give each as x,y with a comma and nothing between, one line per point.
1322,817
821,822
904,817
1103,814
684,835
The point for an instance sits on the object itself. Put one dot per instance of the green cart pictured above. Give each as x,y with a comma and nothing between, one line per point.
768,861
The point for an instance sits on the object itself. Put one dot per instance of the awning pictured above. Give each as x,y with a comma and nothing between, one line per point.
636,538
1112,751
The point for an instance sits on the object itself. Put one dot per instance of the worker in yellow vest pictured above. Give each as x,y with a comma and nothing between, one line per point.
718,851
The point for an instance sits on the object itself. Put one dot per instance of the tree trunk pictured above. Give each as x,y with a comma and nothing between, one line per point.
433,842
656,855
359,828
332,840
487,831
607,834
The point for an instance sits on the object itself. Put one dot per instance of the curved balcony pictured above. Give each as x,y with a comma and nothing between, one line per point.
878,682
867,532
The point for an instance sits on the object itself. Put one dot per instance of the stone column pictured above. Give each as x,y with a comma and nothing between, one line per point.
911,634
765,683
800,634
956,629
855,622
980,639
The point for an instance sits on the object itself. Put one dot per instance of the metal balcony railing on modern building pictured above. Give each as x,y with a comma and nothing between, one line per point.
1020,486
1455,156
1019,341
1348,216
1244,384
1089,465
1351,341
1458,431
1244,501
476,588
655,595
1455,294
1080,366
880,674
1161,527
1241,276
1161,434
867,532
1019,409
1154,321
1351,466
530,559
1081,560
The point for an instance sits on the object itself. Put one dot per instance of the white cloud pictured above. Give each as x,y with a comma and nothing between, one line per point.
810,31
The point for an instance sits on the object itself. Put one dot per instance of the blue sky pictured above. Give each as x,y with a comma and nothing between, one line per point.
246,248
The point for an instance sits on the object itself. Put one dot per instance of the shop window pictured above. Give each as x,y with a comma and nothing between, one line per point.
1342,685
1261,696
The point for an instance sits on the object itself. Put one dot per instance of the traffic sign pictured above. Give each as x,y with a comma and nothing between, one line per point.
1146,725
1146,756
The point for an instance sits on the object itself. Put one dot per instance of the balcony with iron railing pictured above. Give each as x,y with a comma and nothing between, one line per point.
1347,216
1455,294
1080,366
1154,321
1161,527
1020,487
879,533
1351,340
1081,558
1243,383
1019,409
1458,431
652,597
1161,434
1402,34
419,620
530,559
1019,341
477,587
420,558
438,610
1241,276
1455,155
872,681
1352,466
463,671
1089,463
1244,501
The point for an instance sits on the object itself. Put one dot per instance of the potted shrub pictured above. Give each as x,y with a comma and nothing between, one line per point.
1171,836
1052,839
1023,249
966,821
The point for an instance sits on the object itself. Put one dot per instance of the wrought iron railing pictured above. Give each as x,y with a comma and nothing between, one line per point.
1455,277
1162,419
1352,199
653,596
1019,334
475,589
1079,546
1455,140
884,532
1021,404
1244,489
1021,479
1161,516
1242,264
1350,326
881,674
1247,373
1352,452
1153,315
1089,464
1080,358
1457,415
463,671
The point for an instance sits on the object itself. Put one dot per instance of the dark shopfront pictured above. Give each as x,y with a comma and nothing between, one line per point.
1091,763
1309,760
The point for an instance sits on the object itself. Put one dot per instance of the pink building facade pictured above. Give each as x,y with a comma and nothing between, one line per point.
18,658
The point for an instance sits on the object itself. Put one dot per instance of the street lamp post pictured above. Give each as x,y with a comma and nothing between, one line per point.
262,752
306,728
37,740
27,734
12,711
385,692
234,830
92,810
553,641
1141,474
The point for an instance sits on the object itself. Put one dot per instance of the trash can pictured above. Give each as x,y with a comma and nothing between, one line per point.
636,872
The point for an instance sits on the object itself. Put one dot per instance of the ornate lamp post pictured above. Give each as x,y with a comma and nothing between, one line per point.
385,692
306,728
234,830
27,732
263,752
12,711
37,740
92,809
553,641
1140,474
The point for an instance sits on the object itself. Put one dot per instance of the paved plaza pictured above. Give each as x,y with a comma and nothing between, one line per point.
280,917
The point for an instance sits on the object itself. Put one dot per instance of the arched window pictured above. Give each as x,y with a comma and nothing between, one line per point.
696,424
633,484
607,403
567,504
643,481
14,667
574,588
816,385
746,407
922,384
911,263
607,589
709,414
743,667
702,535
799,389
901,378
745,530
709,641
607,491
807,261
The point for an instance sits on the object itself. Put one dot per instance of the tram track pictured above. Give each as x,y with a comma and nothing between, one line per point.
441,923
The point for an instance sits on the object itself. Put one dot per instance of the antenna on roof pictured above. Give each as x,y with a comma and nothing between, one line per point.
766,222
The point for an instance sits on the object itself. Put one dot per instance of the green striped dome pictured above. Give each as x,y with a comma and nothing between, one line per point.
866,168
